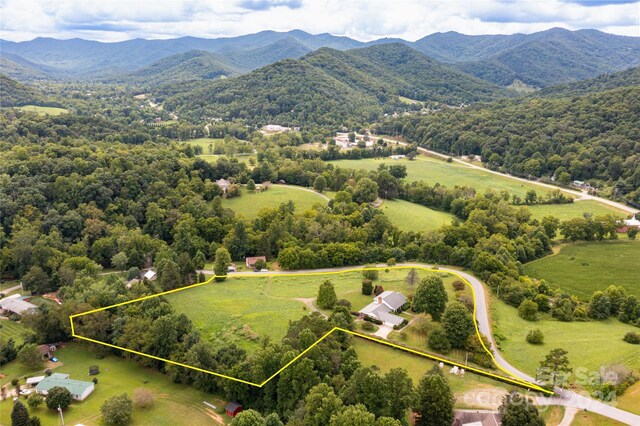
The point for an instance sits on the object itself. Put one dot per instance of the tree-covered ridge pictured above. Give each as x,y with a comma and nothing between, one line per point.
558,56
13,93
592,138
192,65
630,77
329,87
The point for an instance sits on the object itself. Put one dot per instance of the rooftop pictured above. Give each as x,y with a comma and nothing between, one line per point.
76,387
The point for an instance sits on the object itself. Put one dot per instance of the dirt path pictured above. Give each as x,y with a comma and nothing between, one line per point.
308,301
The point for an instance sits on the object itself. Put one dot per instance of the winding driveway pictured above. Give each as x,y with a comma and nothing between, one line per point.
562,397
580,194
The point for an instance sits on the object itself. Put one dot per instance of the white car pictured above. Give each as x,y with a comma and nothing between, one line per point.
26,391
264,270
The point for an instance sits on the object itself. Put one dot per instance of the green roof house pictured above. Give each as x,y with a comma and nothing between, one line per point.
79,389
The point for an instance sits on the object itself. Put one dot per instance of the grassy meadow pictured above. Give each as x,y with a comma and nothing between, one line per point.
582,268
434,171
591,345
575,209
12,330
43,110
414,217
174,404
249,203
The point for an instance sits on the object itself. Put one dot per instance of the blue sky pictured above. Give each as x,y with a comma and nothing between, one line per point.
116,20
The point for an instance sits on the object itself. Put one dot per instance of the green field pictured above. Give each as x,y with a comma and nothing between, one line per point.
471,391
575,209
175,404
12,330
245,310
414,217
591,345
434,171
43,110
249,203
582,268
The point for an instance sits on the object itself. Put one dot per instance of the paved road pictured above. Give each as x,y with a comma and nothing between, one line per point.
563,397
580,194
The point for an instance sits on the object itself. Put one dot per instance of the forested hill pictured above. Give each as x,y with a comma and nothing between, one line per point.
13,93
594,138
630,77
188,66
557,56
331,87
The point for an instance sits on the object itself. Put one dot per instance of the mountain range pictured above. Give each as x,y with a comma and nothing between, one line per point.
539,59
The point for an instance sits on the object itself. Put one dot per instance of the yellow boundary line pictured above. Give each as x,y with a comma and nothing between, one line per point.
513,379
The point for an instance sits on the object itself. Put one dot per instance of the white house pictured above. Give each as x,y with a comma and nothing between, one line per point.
79,389
150,275
384,306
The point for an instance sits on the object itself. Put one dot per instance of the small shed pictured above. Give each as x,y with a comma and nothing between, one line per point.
150,275
233,408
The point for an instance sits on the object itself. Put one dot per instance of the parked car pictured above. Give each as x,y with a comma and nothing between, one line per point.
26,391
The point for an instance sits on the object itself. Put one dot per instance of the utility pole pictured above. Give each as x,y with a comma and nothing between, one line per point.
61,416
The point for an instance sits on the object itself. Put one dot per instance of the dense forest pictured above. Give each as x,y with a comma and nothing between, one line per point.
592,138
329,87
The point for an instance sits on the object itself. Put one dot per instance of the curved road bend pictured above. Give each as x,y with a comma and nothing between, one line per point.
580,194
563,397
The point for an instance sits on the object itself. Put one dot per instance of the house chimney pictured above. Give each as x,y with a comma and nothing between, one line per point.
379,300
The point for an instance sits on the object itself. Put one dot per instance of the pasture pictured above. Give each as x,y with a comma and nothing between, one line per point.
591,345
414,217
432,171
249,203
43,110
582,268
575,209
174,404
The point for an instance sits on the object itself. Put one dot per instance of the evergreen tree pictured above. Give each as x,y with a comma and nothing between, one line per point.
412,278
251,185
221,264
199,260
517,410
555,367
326,295
19,415
170,277
434,401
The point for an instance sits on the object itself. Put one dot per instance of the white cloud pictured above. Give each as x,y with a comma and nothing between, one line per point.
113,20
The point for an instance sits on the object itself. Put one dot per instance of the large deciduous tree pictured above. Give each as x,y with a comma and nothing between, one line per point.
518,410
434,401
458,324
431,297
221,263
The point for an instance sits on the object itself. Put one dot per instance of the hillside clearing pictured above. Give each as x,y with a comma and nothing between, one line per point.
43,110
249,203
414,217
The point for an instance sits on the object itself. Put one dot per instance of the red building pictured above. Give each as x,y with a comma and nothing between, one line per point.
233,408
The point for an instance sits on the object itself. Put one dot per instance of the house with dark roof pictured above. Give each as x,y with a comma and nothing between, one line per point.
469,418
384,306
79,389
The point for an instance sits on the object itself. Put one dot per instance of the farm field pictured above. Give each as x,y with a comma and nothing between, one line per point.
414,217
43,110
174,404
434,171
575,209
471,391
582,268
249,204
591,345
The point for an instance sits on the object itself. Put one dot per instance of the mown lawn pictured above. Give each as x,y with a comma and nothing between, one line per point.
575,209
584,418
629,400
174,405
552,414
414,217
471,390
591,345
249,203
582,268
11,330
43,110
434,171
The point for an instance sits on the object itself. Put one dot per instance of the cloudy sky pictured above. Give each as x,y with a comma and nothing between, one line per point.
116,20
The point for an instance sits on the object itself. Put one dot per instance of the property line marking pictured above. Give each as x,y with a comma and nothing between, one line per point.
514,379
